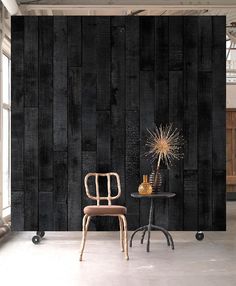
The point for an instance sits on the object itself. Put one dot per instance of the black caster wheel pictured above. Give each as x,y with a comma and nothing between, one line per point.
199,235
36,239
41,233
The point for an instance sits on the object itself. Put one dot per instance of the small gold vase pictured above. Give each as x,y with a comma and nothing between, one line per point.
145,188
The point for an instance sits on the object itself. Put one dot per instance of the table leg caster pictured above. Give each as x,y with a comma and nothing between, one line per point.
41,233
38,237
199,235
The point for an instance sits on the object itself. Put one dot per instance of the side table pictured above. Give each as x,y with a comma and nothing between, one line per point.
150,226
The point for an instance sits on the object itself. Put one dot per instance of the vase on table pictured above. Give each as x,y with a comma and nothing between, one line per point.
155,179
145,187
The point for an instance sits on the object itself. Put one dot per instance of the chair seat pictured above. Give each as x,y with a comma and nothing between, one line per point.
105,210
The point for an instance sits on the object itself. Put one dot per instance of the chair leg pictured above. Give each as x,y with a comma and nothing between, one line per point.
87,225
86,220
125,237
121,233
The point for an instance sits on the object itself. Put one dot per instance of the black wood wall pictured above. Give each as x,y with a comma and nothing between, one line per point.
84,90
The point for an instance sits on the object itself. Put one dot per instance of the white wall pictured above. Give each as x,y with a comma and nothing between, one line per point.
231,96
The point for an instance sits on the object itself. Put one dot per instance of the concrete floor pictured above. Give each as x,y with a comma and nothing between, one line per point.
56,260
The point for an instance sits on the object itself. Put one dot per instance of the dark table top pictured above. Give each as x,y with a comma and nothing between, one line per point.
153,196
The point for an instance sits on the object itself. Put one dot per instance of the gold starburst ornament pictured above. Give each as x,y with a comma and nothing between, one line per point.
165,144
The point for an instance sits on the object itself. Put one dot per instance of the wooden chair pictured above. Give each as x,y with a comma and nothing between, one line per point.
105,210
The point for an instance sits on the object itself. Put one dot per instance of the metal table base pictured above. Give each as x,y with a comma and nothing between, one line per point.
147,228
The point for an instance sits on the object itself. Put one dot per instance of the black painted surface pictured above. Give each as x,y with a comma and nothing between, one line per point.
84,90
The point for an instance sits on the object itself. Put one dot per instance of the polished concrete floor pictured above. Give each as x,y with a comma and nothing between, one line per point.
56,260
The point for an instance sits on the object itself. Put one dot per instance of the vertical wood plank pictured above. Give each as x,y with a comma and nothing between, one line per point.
190,209
176,52
74,41
31,61
205,150
89,85
190,123
190,92
103,60
118,104
103,159
89,166
60,216
60,190
45,104
147,93
60,177
132,160
132,63
17,64
17,105
219,92
103,141
88,111
162,103
147,43
46,211
89,31
17,211
176,111
45,40
162,71
132,167
219,200
74,149
205,44
218,123
31,168
60,84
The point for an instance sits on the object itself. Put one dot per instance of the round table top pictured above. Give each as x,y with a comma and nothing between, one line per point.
153,196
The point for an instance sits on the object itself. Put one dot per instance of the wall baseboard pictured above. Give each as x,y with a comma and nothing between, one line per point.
231,196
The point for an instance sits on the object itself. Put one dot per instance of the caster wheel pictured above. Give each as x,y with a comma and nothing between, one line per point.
199,235
36,239
41,233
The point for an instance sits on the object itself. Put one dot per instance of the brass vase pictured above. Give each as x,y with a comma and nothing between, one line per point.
145,188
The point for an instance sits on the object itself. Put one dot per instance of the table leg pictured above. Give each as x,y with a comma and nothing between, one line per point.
143,235
150,225
132,236
172,242
164,231
167,235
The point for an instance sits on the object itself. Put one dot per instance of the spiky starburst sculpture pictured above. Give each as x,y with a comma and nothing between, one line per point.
165,144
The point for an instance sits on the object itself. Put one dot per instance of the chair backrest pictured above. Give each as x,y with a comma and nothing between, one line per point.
98,198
